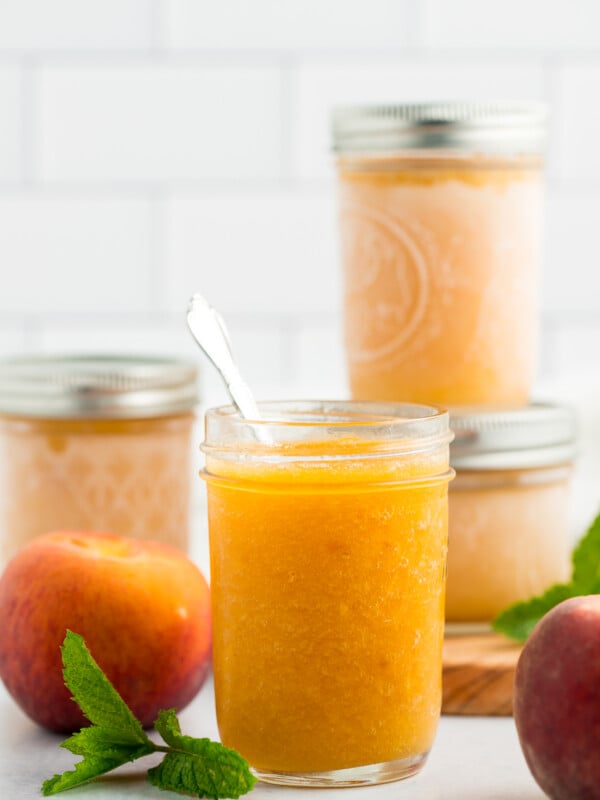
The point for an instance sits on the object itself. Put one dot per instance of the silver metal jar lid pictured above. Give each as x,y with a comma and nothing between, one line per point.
538,435
491,127
97,386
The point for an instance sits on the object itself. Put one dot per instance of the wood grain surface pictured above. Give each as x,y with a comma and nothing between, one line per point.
478,674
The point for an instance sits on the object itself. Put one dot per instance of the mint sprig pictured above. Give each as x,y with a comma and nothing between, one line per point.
190,763
517,621
198,767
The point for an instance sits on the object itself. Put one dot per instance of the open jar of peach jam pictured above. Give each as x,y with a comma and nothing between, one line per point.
508,535
95,443
328,530
440,218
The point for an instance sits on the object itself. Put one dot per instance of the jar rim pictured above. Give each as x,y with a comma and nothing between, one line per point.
350,427
98,386
487,127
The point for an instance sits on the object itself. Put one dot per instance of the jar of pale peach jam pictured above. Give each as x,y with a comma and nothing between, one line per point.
509,535
440,219
100,443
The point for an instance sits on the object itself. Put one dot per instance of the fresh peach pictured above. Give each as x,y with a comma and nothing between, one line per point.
557,700
142,607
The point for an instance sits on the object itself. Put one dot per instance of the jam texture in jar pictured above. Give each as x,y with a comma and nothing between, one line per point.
440,220
95,443
328,527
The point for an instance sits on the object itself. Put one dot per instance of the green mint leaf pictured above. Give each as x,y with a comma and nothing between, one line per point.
586,560
97,741
84,771
518,620
91,767
95,695
101,754
116,737
195,766
198,766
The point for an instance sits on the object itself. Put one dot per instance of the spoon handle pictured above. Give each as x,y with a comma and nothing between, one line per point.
209,331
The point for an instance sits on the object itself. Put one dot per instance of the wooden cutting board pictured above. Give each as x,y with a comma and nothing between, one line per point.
478,674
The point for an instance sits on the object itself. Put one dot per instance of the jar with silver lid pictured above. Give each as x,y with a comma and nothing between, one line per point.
509,535
95,443
440,220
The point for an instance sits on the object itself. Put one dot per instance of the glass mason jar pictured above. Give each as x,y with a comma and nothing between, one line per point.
328,529
509,537
95,443
440,219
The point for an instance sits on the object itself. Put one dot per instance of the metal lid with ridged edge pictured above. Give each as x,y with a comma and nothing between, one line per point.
538,435
486,127
97,386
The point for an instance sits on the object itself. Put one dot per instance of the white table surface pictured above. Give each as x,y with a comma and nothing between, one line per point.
473,758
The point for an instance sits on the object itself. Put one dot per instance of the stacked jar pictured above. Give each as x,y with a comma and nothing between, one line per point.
441,227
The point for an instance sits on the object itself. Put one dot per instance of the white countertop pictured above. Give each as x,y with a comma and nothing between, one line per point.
473,758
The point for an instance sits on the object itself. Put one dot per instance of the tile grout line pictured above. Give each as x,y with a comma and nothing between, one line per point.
415,25
29,121
286,116
32,333
288,354
550,68
157,26
252,57
157,268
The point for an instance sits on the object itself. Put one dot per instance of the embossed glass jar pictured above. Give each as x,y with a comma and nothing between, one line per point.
441,208
100,443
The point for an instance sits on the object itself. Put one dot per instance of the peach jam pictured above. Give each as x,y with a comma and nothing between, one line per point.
509,536
95,443
440,219
328,526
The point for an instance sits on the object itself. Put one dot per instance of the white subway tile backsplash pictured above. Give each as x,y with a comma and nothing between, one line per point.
155,122
141,335
284,24
272,252
73,24
578,348
571,275
319,359
546,355
62,253
532,25
152,148
259,351
10,123
576,120
319,87
12,340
